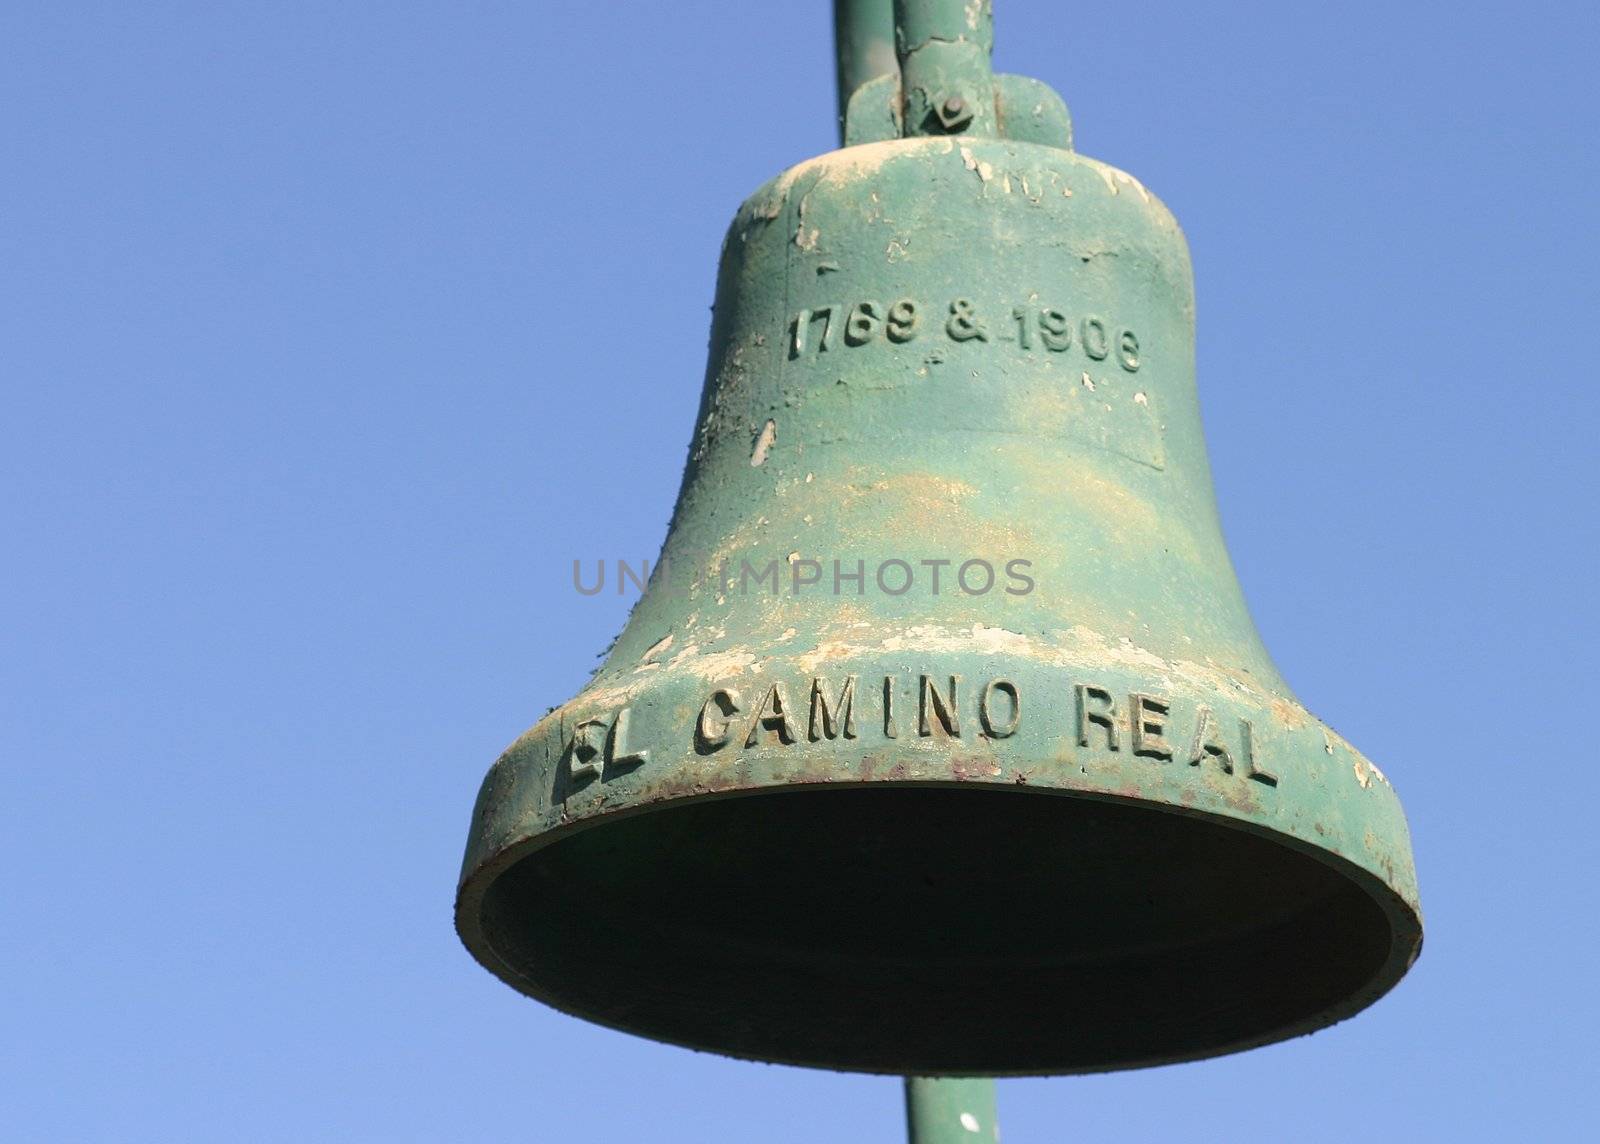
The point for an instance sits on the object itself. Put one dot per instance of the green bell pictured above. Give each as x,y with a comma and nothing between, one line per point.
941,741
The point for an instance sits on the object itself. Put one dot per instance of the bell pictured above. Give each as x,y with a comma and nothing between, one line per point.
942,741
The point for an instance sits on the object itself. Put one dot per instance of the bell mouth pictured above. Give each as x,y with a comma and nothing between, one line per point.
938,930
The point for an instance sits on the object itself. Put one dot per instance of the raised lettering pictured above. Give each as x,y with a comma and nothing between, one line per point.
1206,742
582,750
1106,717
830,723
986,709
772,715
1096,344
943,710
618,755
1128,351
1150,726
711,730
1248,750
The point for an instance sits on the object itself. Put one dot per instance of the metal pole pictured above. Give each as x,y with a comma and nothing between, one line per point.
863,40
946,78
951,1110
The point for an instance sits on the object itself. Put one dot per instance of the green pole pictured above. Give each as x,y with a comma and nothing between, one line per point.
946,79
951,1110
863,41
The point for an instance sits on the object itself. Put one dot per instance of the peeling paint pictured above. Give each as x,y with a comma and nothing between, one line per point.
764,443
985,171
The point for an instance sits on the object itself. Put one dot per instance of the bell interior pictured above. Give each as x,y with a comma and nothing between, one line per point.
936,930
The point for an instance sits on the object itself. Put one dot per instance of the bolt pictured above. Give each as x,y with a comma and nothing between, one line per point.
954,114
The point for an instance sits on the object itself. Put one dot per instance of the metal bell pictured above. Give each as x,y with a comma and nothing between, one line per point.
941,741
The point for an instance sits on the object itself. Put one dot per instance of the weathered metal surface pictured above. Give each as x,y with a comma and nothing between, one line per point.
872,114
1058,814
950,1110
946,82
942,51
1025,110
1031,112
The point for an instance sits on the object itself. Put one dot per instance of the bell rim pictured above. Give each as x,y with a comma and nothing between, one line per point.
1403,917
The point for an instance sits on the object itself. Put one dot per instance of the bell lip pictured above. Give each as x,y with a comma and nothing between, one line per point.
1404,918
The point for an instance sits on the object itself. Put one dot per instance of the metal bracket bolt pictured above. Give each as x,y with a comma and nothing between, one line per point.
954,113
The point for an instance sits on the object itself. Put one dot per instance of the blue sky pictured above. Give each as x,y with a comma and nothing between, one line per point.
308,412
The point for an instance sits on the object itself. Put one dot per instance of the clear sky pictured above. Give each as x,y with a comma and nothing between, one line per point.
307,413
